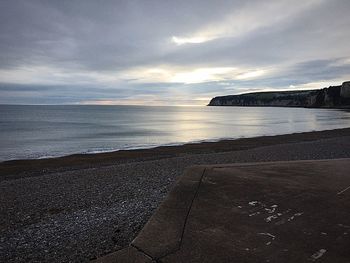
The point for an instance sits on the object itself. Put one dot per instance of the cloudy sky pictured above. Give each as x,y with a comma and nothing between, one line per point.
166,52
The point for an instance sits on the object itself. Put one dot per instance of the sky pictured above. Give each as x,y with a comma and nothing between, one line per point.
168,52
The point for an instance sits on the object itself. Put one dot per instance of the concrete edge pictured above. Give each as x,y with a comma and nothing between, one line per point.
215,166
126,255
163,233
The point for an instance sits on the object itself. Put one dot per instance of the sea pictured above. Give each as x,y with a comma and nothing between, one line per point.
30,132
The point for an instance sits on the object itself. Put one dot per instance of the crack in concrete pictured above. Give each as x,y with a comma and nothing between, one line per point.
347,188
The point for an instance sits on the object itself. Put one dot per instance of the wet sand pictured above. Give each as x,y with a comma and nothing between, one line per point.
80,207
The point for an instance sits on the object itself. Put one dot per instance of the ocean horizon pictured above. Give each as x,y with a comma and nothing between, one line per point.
47,131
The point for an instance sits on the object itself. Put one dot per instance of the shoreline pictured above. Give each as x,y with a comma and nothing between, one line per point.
27,167
78,208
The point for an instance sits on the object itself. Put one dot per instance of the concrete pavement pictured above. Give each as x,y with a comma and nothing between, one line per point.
260,212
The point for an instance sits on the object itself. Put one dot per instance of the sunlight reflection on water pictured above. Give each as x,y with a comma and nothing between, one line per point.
39,131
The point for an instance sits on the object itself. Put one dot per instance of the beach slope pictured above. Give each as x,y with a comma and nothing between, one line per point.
82,207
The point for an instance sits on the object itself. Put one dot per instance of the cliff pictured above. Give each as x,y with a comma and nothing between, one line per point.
331,97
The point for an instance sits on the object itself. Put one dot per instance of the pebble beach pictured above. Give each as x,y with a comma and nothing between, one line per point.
79,208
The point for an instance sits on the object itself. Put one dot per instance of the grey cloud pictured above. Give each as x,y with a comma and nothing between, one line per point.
65,94
298,74
112,36
92,34
315,34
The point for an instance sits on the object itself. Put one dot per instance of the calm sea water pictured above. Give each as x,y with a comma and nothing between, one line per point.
48,131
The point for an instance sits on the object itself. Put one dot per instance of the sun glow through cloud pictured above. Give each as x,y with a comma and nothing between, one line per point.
190,40
203,75
192,75
251,74
167,74
239,23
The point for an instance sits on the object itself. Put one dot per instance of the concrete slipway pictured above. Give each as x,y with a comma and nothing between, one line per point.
260,212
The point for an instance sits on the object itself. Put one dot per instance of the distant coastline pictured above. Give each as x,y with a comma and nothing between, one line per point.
337,97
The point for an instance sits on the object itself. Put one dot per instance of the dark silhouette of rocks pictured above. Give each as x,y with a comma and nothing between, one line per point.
331,97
